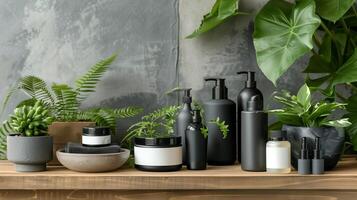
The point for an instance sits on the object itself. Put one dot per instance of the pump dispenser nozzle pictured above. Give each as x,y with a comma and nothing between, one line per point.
250,82
219,91
196,116
187,95
304,150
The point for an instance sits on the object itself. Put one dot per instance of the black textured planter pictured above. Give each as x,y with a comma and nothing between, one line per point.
331,139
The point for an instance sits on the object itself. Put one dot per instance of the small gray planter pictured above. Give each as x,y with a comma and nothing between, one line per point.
30,154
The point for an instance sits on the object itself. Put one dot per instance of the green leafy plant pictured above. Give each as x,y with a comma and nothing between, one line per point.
159,123
221,11
29,120
63,101
299,110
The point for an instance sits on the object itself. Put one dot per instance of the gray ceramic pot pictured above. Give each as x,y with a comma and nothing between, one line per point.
331,139
30,154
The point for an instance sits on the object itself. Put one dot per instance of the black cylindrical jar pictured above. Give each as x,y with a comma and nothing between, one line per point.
96,136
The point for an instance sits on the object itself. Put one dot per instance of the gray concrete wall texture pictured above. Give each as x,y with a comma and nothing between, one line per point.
59,40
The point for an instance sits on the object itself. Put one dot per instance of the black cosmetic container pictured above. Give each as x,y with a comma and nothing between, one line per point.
96,136
196,144
254,135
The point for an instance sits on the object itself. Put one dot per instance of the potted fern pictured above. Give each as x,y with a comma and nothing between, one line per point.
300,117
63,102
30,146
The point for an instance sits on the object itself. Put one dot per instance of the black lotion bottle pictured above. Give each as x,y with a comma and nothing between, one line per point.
254,136
244,96
184,118
196,144
220,151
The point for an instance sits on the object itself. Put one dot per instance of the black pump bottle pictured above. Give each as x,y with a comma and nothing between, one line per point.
196,144
220,151
254,136
244,96
184,118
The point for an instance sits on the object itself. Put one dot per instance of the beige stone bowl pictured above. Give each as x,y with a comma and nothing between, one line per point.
93,162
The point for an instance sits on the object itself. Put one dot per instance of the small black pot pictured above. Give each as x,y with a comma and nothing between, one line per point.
158,154
331,138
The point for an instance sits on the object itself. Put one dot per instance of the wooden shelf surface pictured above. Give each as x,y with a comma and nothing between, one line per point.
344,177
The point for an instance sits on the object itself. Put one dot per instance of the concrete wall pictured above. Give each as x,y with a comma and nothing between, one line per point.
59,40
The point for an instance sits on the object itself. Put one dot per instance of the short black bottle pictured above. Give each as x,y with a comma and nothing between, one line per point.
244,96
304,163
196,144
184,118
254,136
220,151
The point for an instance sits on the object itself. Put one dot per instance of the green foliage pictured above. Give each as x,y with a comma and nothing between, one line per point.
63,101
300,111
159,123
221,11
223,127
30,120
333,10
283,33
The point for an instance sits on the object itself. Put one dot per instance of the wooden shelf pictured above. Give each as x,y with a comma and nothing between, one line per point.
344,177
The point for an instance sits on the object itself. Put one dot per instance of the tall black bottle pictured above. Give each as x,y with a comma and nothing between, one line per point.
196,144
184,118
220,151
244,96
254,136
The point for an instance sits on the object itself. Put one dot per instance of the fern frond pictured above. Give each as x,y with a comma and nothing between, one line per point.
5,129
127,112
87,83
66,105
36,88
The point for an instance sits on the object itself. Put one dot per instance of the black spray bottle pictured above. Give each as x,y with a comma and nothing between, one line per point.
220,151
244,96
254,136
184,118
196,144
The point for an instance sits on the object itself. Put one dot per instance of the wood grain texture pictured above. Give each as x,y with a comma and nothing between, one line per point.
215,178
176,195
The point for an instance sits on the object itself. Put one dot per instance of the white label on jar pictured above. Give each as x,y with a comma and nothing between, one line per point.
96,140
278,157
158,156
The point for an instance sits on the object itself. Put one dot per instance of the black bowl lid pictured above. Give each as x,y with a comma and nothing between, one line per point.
173,141
96,131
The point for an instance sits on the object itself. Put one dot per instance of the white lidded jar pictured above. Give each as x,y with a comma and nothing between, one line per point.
278,154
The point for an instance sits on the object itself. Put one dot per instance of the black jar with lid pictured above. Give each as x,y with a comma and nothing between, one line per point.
96,136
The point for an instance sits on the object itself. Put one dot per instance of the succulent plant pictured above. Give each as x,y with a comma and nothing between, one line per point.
31,120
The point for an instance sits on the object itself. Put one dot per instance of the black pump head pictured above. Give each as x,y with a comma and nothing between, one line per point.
187,95
219,91
255,103
196,116
304,154
276,135
317,152
250,82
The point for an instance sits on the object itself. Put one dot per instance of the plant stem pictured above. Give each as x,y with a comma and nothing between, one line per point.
348,32
327,31
317,40
354,10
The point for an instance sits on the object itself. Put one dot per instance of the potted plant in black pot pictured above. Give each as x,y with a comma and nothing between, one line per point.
300,117
30,147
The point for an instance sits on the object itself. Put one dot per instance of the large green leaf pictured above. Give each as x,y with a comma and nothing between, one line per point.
283,33
220,12
347,72
333,10
304,97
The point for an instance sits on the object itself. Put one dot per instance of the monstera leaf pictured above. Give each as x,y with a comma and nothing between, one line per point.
333,10
283,33
220,12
